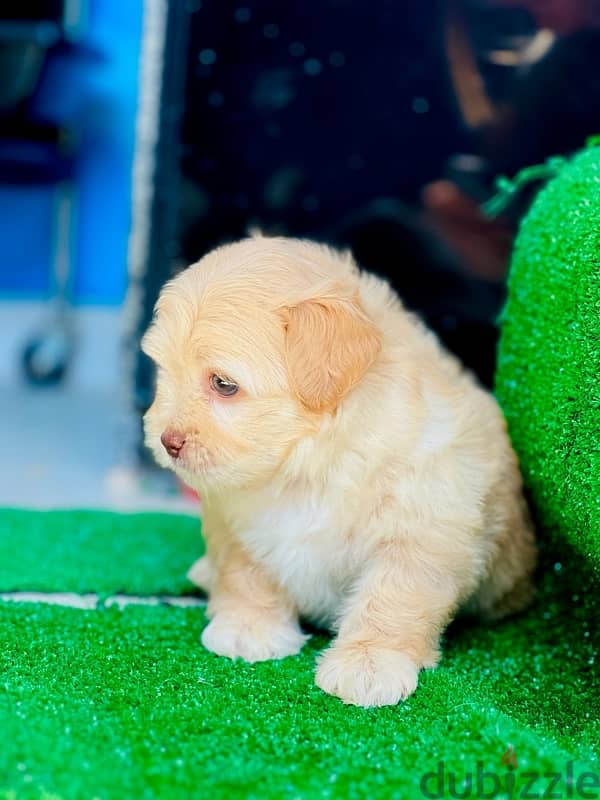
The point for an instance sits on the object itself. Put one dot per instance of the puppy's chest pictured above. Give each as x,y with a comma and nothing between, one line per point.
303,549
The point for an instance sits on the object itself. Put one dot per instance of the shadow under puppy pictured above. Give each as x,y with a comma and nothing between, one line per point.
352,473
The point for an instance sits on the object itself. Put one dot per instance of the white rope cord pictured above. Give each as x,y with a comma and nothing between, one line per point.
91,601
147,131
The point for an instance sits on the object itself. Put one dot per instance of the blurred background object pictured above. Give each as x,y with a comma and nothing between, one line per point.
68,104
378,126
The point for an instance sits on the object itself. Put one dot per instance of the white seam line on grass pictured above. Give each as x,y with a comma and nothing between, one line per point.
92,601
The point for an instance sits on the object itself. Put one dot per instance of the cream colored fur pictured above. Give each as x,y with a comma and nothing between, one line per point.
359,478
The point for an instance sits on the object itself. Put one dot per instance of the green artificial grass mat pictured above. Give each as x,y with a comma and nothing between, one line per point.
548,380
97,551
127,704
119,704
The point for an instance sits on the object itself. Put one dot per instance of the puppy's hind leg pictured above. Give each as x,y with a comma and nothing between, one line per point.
202,574
507,587
502,595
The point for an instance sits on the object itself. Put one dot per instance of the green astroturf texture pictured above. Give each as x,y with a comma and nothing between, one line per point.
127,704
97,551
548,380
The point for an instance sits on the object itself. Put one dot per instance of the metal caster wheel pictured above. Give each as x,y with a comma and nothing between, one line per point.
46,357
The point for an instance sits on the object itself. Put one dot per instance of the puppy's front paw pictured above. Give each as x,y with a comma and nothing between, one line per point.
366,676
252,638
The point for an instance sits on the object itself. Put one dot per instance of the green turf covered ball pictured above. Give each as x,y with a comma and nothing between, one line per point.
548,379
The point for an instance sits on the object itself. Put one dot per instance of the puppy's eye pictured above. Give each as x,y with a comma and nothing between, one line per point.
223,386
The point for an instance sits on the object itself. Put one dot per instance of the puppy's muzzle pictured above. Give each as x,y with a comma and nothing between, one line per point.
172,442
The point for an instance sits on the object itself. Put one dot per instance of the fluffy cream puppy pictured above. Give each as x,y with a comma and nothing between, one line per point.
351,472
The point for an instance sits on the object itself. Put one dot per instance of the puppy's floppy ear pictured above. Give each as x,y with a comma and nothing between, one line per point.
330,343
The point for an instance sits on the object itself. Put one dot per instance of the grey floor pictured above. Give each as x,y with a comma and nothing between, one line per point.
73,446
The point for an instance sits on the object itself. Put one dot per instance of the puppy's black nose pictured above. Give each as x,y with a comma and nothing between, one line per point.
172,442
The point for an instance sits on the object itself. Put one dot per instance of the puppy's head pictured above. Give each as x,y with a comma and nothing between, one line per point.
253,345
